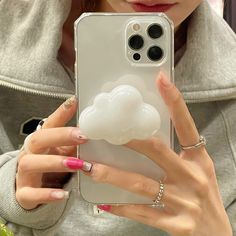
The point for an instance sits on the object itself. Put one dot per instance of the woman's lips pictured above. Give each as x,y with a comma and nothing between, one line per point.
139,7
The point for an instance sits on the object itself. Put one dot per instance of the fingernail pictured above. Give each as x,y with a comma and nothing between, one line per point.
76,134
60,195
104,207
164,80
69,102
77,164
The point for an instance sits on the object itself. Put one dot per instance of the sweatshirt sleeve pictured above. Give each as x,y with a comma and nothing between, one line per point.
40,219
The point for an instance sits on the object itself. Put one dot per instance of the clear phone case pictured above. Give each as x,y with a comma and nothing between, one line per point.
115,49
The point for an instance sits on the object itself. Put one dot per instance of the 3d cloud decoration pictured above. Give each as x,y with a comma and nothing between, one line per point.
119,116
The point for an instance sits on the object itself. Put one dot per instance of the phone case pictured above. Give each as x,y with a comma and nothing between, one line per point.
116,51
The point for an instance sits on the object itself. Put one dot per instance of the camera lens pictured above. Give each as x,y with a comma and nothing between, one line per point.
155,31
136,56
155,53
136,42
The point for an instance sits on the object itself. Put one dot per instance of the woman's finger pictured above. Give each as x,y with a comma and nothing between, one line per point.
135,183
43,139
62,115
144,214
35,163
29,197
132,182
160,153
65,151
184,125
172,224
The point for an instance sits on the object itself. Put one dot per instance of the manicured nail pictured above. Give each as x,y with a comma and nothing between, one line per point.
76,134
60,195
164,80
104,207
69,102
77,164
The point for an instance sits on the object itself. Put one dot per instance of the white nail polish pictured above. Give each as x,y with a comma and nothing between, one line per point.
60,194
76,134
87,167
69,102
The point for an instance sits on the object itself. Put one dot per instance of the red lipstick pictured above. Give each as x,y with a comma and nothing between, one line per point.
139,7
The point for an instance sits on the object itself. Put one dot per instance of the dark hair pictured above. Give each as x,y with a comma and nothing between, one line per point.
88,5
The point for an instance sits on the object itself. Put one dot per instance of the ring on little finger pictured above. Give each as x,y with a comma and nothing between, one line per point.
202,142
157,201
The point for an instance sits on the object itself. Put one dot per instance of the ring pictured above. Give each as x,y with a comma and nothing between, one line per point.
40,124
157,200
202,142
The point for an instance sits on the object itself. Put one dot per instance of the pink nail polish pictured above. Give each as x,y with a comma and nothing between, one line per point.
77,164
104,207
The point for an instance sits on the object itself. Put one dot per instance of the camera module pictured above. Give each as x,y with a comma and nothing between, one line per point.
155,53
136,42
155,31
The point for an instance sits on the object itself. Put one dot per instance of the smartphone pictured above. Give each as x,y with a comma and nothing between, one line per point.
114,49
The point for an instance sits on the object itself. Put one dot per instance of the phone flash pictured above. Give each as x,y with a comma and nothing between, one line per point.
136,27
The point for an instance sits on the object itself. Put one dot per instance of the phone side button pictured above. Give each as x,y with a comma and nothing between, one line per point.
75,69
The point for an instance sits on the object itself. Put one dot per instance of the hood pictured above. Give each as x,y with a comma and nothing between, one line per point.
30,36
207,70
32,32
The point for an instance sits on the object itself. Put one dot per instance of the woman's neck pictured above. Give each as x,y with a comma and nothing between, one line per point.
66,53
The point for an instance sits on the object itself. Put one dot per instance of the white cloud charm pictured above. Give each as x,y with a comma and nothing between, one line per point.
119,116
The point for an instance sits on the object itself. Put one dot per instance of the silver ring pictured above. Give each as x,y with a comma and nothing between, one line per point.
202,142
40,124
157,201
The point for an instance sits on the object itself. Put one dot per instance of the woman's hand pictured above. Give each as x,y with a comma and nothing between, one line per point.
44,167
193,205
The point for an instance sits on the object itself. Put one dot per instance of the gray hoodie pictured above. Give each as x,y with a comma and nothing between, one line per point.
33,84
